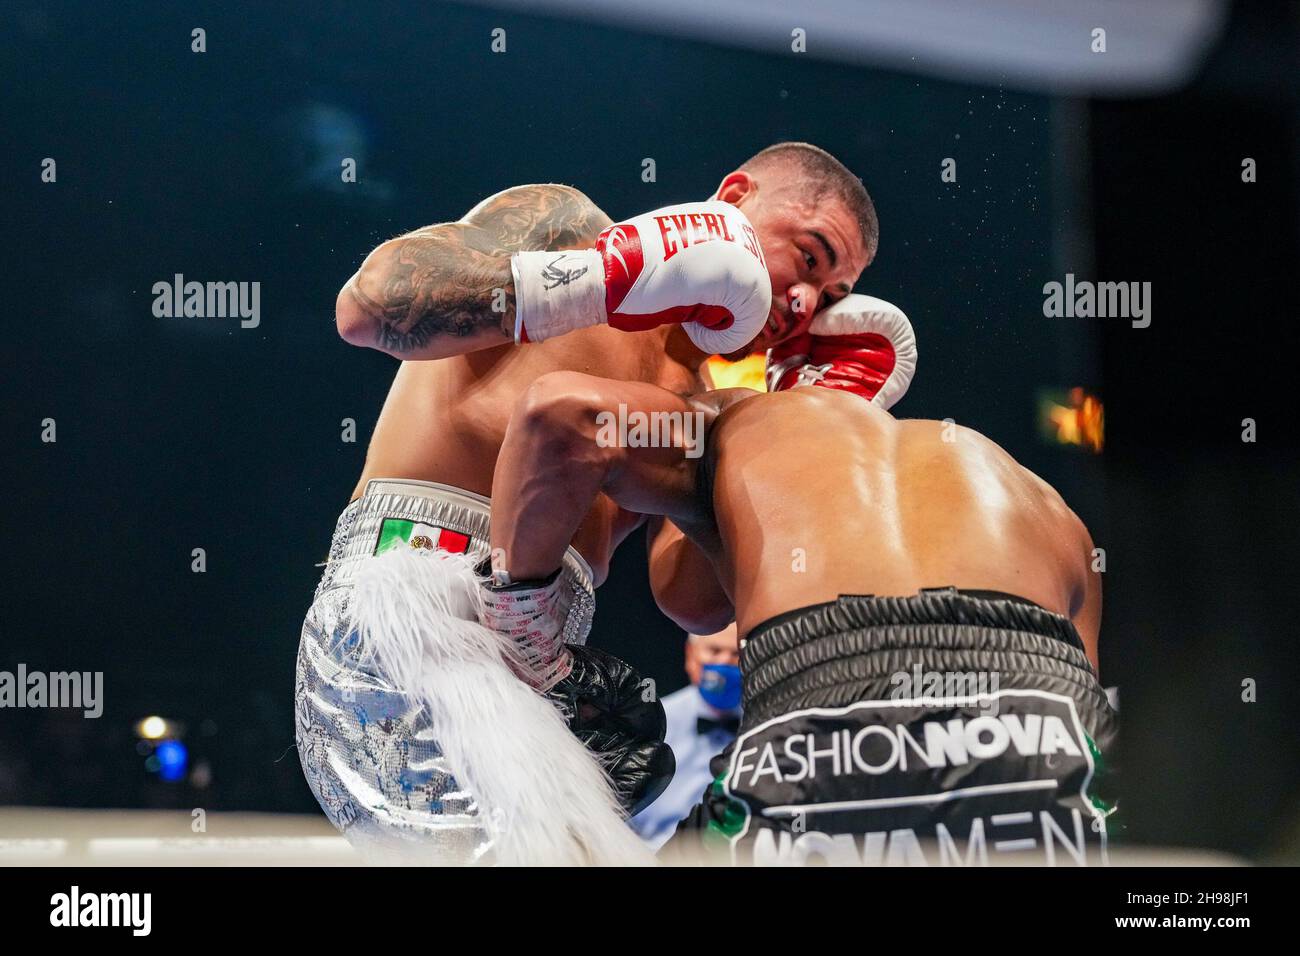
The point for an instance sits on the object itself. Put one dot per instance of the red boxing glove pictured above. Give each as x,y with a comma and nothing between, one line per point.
860,344
698,264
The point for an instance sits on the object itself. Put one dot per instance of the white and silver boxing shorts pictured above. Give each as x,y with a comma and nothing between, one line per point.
369,753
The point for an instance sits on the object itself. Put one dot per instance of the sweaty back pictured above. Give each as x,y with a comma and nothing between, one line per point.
818,493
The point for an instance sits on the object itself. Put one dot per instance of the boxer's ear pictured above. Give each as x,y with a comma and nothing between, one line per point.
737,188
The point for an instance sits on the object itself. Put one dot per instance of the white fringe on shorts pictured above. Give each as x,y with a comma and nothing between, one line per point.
542,797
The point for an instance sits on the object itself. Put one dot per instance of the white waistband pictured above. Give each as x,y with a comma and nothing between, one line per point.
445,506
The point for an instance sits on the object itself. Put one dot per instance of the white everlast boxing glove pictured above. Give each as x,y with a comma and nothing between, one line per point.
860,344
695,264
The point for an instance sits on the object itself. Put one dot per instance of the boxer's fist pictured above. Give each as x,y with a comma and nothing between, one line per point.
599,696
860,344
695,264
604,702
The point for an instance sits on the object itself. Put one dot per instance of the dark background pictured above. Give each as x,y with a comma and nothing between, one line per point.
182,433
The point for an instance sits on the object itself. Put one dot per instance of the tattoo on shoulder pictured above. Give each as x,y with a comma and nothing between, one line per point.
546,216
453,279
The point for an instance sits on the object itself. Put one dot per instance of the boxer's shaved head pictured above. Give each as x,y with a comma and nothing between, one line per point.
817,175
816,225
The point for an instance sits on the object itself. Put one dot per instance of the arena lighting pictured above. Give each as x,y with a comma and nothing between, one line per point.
1076,417
152,728
173,759
1043,45
747,373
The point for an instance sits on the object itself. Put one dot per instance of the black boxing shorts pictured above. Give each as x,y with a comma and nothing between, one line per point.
946,728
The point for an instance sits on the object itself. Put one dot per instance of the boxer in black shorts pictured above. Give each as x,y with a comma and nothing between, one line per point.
918,616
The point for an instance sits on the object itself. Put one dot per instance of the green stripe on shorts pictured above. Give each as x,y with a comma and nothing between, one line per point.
392,532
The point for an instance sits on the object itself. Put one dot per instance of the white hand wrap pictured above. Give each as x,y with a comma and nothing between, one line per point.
532,617
557,292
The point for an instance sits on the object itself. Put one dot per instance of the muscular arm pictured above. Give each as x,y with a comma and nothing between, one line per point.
685,582
447,289
555,460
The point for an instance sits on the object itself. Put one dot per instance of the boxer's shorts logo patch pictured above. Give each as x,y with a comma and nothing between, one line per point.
905,771
416,534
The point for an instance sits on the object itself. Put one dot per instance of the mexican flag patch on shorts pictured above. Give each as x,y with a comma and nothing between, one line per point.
417,534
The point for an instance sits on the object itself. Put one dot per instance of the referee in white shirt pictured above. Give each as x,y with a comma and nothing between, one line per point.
702,720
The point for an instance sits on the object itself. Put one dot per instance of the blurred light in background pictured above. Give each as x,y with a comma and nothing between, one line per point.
152,728
747,373
319,137
1150,46
161,747
202,775
173,759
1076,417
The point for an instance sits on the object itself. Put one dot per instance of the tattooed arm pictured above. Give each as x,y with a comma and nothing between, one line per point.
447,289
